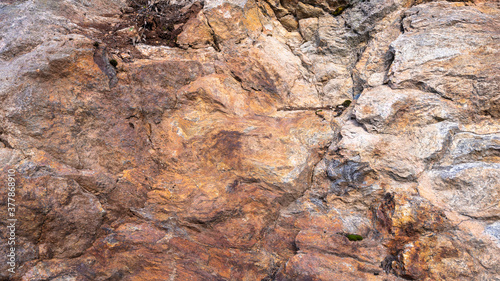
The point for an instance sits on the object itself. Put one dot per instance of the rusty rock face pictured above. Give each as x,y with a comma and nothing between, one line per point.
250,140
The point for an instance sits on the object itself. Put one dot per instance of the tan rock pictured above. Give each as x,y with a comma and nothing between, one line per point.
308,11
196,33
308,28
445,51
289,22
233,154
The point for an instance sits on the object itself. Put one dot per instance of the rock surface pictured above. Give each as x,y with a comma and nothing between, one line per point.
248,139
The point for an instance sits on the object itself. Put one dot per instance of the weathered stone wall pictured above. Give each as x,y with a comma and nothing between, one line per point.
221,145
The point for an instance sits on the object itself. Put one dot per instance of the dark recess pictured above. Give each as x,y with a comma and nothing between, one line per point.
161,22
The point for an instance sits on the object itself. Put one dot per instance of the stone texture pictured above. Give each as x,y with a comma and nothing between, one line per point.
439,52
225,150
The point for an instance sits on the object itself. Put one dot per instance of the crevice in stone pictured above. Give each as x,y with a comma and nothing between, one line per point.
5,142
422,86
389,57
400,178
436,157
215,38
482,218
102,61
240,81
401,24
358,85
477,260
305,108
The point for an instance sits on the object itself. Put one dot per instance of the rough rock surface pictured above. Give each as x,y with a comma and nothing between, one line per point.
221,146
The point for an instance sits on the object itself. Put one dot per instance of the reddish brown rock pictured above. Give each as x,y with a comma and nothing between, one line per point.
250,140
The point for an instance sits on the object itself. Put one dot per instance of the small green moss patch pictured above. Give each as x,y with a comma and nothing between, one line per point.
354,237
346,103
339,10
